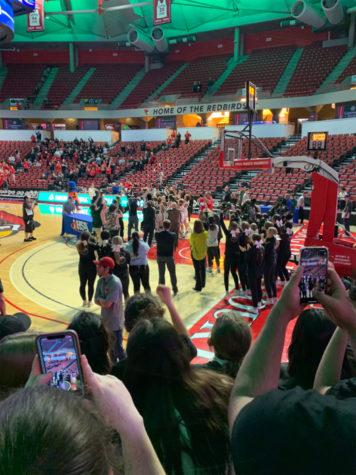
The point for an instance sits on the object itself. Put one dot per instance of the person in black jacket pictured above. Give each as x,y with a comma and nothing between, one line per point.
255,270
86,247
122,260
149,220
232,254
270,262
133,218
27,215
283,257
166,245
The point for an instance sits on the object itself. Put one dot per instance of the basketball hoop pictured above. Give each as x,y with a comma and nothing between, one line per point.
231,153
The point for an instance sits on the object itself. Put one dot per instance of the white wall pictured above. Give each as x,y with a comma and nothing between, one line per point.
148,135
267,130
97,135
201,133
334,127
21,135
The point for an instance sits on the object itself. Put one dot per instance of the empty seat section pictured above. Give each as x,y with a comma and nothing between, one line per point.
263,67
107,81
198,70
314,65
21,80
149,84
350,70
63,84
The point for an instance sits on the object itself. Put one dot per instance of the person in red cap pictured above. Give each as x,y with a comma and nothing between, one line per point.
108,295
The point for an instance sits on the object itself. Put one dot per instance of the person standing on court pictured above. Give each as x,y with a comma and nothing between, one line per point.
108,295
166,245
133,218
199,249
28,215
300,206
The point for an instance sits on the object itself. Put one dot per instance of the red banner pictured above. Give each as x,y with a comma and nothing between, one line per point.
246,164
161,12
35,19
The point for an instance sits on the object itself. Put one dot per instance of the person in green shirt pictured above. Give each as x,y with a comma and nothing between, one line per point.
97,210
199,248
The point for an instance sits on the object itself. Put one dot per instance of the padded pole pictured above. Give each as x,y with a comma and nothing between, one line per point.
71,58
236,44
323,208
351,38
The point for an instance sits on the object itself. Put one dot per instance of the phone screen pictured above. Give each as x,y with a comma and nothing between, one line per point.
59,355
315,265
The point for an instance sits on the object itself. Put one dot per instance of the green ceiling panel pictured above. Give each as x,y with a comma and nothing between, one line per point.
188,17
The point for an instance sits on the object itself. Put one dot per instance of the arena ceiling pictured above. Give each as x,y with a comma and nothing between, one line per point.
189,17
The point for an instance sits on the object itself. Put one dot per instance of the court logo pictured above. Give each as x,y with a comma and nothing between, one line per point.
79,226
10,224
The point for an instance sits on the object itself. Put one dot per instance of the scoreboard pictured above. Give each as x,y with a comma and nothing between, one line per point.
317,141
250,96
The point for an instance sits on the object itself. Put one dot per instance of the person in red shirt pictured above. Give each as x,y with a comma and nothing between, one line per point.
58,168
26,166
33,139
187,136
108,173
209,201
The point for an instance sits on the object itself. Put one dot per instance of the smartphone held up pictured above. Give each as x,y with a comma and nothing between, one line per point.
314,261
59,354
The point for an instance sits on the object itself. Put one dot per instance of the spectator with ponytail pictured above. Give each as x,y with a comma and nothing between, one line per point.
232,254
270,262
139,270
255,270
86,247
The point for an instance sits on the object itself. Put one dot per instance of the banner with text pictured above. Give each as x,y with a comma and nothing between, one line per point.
161,12
35,19
195,109
246,164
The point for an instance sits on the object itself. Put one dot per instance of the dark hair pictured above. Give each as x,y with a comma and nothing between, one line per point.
310,337
16,356
94,340
45,430
105,235
198,226
141,306
170,394
112,208
167,223
135,243
231,338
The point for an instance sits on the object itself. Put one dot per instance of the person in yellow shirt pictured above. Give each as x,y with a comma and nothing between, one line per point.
198,247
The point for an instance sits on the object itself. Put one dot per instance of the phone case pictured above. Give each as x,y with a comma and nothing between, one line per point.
75,339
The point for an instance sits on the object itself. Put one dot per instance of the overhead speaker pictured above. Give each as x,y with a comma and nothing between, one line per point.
307,14
160,41
140,40
333,10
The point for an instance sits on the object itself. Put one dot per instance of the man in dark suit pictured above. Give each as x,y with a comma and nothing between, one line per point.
166,244
226,194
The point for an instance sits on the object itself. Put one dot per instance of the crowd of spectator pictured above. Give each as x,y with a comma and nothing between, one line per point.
148,408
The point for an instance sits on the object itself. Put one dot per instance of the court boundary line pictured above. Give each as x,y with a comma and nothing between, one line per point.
33,288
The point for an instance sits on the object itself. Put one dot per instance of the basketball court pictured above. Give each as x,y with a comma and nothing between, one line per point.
41,279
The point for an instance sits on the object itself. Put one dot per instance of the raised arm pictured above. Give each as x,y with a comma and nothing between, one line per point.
330,366
222,224
259,372
338,305
116,407
164,293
